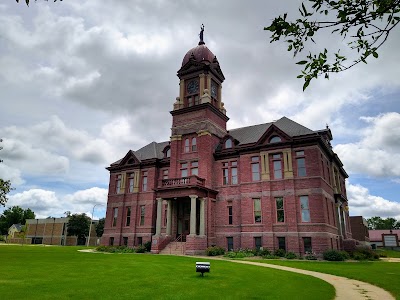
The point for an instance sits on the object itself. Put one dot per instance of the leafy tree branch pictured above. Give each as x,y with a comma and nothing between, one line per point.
364,24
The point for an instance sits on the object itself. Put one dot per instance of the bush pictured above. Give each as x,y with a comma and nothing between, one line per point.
280,252
215,251
241,253
2,238
147,245
365,254
140,249
310,256
335,255
115,249
290,255
264,252
270,256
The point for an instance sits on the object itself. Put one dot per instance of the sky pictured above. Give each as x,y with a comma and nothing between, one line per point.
83,81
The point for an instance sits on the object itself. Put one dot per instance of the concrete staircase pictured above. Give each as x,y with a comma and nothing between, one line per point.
174,248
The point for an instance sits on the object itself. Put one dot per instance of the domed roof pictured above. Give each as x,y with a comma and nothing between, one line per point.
200,53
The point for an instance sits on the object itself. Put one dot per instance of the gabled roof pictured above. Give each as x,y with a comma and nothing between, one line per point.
251,134
150,151
17,226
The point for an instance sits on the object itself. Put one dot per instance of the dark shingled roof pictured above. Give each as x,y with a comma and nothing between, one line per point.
245,135
251,134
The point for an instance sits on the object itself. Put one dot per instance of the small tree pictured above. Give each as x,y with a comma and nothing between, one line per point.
100,227
78,225
14,215
5,186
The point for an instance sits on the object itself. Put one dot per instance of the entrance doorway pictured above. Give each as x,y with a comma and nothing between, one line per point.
183,218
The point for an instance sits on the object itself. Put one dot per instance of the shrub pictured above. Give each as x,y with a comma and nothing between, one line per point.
215,251
115,249
140,249
280,252
2,238
147,245
270,256
310,256
364,254
264,252
290,255
241,253
335,255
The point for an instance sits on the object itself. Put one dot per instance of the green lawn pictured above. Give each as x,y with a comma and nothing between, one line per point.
37,272
388,252
383,274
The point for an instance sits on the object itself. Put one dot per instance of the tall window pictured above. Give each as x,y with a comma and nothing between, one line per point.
257,242
301,163
184,169
125,240
187,148
229,241
194,168
128,216
111,241
115,216
280,211
144,181
142,214
118,184
165,174
234,175
140,240
307,244
282,243
257,210
277,164
168,152
194,144
230,215
255,168
131,182
305,210
229,173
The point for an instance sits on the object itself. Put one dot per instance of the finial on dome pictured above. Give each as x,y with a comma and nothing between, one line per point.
201,42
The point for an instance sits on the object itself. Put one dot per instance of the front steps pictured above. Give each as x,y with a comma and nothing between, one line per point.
174,248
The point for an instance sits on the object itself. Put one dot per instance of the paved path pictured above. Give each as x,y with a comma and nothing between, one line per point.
346,289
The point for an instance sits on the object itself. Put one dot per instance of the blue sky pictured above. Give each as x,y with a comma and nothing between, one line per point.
84,81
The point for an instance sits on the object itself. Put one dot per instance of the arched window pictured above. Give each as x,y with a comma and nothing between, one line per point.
194,144
187,145
275,139
228,143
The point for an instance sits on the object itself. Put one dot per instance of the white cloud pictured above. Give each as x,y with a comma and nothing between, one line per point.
46,203
377,150
12,174
362,203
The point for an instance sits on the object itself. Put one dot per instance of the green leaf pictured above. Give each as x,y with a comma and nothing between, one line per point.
305,85
302,62
375,54
300,76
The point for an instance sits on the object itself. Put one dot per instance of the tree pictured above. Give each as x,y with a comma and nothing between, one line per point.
364,24
78,225
379,223
27,1
14,215
5,186
100,227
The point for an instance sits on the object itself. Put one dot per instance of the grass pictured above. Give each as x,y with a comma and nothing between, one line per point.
388,252
383,274
36,272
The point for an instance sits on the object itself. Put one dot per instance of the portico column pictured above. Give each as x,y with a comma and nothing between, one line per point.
158,219
169,217
202,221
193,199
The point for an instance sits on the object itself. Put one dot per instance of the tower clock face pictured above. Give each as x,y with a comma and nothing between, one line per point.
214,90
192,86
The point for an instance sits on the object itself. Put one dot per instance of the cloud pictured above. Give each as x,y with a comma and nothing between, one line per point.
377,150
362,203
46,203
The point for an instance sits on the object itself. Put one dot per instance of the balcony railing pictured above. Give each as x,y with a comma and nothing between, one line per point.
183,181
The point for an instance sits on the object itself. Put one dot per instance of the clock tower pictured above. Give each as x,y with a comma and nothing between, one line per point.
199,116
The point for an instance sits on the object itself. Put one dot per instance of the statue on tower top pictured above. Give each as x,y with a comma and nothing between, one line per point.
201,42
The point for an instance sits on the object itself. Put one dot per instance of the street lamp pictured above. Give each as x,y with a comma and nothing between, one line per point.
91,221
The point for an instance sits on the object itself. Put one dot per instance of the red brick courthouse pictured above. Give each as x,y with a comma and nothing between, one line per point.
273,185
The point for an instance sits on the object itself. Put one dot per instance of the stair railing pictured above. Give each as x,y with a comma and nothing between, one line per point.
178,239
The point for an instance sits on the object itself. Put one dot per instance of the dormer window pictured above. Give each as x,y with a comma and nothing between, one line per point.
167,152
275,139
131,161
228,144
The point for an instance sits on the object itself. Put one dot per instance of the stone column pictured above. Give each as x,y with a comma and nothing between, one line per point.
193,199
169,217
158,219
202,215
